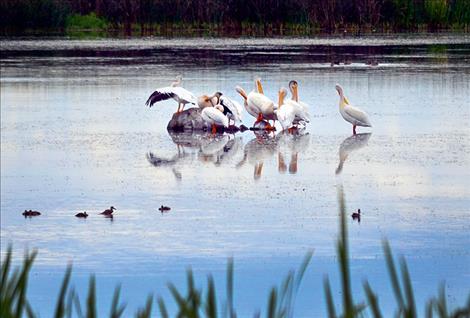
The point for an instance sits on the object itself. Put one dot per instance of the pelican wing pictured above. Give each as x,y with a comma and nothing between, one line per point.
178,93
358,115
231,107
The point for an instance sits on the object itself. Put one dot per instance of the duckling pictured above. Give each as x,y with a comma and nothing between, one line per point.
164,208
108,211
31,213
357,215
82,215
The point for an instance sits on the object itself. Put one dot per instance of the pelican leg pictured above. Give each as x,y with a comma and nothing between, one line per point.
260,118
354,129
178,109
214,129
258,170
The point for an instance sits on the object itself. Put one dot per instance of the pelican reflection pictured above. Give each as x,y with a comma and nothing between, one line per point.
291,144
349,145
257,150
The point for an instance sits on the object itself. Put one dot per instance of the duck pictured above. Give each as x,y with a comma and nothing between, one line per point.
351,114
108,211
357,215
257,104
82,215
214,116
164,208
31,213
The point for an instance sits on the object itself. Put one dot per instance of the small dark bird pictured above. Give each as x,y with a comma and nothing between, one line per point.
108,211
82,215
164,208
31,213
357,215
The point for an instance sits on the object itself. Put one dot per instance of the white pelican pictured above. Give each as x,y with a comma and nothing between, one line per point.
179,94
288,111
214,116
304,115
350,113
232,109
257,104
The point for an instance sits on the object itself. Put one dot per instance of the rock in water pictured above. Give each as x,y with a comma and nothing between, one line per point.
189,119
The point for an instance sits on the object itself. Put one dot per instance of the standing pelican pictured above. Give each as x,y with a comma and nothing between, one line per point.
232,109
350,113
214,116
179,94
288,111
257,104
304,114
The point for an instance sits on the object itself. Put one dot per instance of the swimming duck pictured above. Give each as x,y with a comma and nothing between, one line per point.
108,211
82,215
31,213
164,208
357,215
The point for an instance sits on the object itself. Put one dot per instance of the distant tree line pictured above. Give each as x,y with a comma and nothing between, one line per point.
328,15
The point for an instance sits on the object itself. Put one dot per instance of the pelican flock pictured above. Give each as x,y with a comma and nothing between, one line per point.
219,110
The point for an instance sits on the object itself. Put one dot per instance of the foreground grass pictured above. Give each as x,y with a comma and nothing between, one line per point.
198,302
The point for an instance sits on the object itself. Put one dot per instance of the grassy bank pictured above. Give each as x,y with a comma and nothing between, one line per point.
157,17
203,302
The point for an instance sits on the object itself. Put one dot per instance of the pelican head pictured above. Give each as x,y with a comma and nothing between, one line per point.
339,89
293,86
219,108
282,95
242,92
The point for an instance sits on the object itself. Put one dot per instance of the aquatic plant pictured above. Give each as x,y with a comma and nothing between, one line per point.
199,302
85,22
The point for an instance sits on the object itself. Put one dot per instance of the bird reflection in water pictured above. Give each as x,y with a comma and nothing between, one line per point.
349,145
292,143
203,147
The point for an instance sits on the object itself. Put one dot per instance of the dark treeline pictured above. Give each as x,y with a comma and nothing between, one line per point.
326,15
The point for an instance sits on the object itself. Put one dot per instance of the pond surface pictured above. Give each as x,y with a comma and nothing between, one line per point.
76,135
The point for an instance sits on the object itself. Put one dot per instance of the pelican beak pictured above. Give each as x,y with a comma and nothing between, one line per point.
259,86
346,101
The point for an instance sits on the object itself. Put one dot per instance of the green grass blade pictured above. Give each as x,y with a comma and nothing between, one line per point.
60,306
393,276
116,309
147,310
230,309
91,299
373,301
272,304
410,301
211,302
329,298
162,308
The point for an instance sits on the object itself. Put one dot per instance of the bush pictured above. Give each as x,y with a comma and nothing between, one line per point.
86,22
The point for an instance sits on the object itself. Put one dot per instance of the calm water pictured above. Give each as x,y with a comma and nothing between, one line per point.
76,135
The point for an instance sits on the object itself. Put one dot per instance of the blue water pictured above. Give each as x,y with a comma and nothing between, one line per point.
76,135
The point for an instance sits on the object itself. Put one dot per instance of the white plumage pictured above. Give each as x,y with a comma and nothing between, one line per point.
289,111
232,109
214,116
256,104
179,94
351,114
